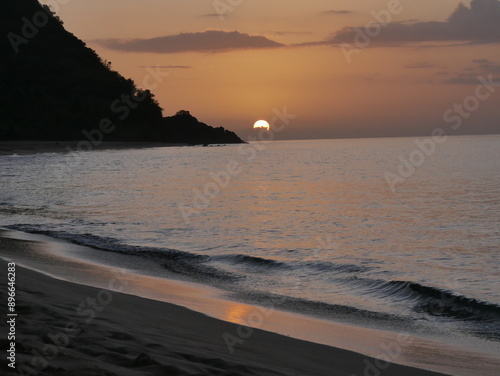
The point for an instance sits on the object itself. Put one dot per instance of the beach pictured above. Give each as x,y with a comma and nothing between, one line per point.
65,328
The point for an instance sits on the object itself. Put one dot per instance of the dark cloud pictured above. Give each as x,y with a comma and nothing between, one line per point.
420,66
462,79
486,65
334,12
166,66
482,61
469,75
292,32
479,23
206,41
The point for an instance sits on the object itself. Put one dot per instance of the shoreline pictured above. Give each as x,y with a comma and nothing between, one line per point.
145,334
66,328
37,147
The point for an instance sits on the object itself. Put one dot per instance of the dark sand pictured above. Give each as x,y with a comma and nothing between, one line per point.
64,328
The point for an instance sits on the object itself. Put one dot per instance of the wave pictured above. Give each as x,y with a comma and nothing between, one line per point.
483,323
326,266
440,302
252,261
321,309
478,318
431,300
178,262
270,264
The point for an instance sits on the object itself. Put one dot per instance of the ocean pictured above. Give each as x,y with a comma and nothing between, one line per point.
395,233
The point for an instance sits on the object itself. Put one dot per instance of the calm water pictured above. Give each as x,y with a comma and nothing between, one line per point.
312,221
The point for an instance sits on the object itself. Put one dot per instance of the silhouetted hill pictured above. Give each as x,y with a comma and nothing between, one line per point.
53,87
185,128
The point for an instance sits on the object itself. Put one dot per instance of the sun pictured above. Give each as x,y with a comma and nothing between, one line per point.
261,124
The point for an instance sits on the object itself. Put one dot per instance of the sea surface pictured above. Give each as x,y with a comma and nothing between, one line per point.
313,227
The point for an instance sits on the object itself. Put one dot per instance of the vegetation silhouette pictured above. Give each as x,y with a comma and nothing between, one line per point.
53,87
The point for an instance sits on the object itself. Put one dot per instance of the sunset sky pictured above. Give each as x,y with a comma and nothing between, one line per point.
234,68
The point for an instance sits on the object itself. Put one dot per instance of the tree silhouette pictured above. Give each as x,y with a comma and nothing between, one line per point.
53,87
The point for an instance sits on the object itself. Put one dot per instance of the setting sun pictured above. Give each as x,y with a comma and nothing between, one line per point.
261,124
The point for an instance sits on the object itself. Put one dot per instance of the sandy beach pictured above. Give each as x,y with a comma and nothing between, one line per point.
65,328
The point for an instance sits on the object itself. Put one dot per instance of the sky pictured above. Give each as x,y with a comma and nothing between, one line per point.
345,68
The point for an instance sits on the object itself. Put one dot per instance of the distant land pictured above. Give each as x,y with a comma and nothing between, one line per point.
54,88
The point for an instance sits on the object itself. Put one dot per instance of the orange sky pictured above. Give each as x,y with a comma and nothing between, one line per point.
234,68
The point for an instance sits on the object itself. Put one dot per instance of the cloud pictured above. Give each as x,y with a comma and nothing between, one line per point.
486,65
482,61
420,66
292,32
166,66
479,23
469,75
462,79
206,41
334,12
